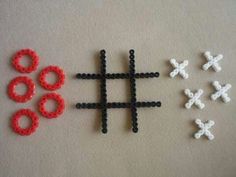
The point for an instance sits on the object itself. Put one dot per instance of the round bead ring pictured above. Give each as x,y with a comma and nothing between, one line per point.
30,89
24,131
18,56
60,105
60,79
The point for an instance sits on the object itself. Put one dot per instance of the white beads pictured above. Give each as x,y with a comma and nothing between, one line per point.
204,129
221,91
212,61
194,99
179,68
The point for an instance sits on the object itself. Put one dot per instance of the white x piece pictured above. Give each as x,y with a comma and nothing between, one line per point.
194,99
179,68
204,129
212,61
221,91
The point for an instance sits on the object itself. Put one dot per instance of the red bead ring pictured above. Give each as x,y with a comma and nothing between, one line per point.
30,89
60,105
18,56
60,80
25,131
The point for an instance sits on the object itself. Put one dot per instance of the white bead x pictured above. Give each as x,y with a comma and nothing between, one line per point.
221,91
212,61
194,99
179,68
204,129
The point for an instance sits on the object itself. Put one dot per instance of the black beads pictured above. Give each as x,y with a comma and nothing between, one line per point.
133,108
103,90
117,75
118,105
103,105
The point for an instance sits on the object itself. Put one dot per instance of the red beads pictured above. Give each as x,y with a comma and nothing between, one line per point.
60,105
24,131
18,56
29,93
60,78
53,96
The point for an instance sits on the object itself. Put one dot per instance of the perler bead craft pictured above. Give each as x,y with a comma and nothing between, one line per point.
194,99
221,91
204,129
179,68
60,105
212,61
18,56
29,114
30,89
104,105
60,78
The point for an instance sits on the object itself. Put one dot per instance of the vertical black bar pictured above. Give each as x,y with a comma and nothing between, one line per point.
103,91
133,100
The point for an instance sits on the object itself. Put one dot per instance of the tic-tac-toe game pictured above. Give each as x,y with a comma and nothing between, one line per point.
118,88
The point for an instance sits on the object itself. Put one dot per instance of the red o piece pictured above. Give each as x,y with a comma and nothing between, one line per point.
60,79
18,56
30,89
25,131
60,105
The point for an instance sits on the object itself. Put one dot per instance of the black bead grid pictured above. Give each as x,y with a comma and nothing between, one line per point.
104,105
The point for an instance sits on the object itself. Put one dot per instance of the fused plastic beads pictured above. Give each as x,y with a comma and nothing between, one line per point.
25,131
212,61
204,129
194,99
221,91
18,56
179,68
60,79
60,105
30,89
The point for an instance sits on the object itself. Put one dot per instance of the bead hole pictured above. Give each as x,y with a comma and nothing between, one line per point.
51,105
21,89
25,61
24,122
51,78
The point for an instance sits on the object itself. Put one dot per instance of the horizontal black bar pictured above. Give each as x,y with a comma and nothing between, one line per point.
118,105
117,75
